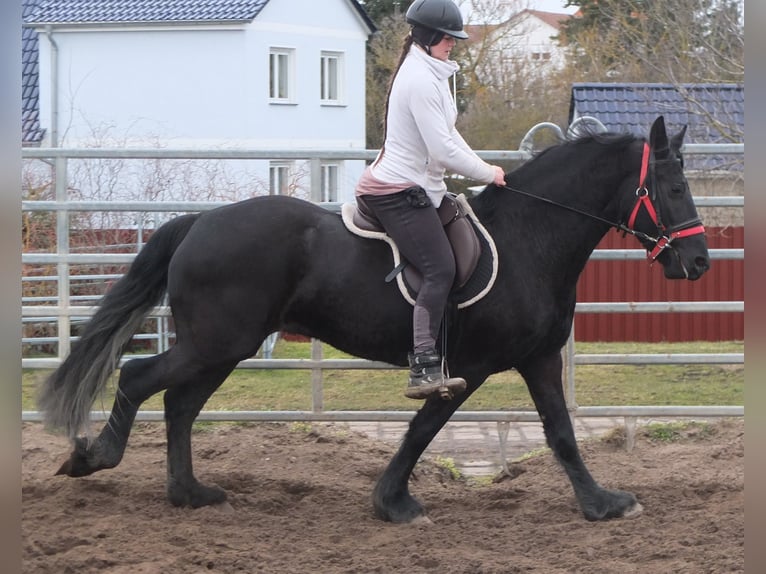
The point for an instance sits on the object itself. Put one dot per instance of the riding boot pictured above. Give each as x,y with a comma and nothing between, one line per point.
427,377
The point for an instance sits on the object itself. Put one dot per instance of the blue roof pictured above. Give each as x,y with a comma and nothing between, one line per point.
88,11
123,11
633,108
704,108
31,133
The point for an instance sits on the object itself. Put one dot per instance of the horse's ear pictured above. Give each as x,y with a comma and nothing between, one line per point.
658,139
678,140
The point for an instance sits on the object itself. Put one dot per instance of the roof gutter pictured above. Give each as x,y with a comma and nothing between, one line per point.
137,24
54,86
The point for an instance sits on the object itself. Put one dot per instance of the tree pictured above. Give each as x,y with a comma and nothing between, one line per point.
377,10
672,41
503,93
383,52
499,100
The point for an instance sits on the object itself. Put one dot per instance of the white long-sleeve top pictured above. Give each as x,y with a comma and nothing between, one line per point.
422,142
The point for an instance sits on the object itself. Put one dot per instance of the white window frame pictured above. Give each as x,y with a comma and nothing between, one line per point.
281,75
331,89
330,184
279,177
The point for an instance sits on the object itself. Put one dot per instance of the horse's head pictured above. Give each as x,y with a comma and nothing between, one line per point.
662,213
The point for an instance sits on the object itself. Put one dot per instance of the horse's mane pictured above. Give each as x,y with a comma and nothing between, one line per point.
617,139
572,151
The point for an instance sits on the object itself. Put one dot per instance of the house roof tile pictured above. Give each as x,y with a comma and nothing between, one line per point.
713,113
634,106
31,133
553,19
84,11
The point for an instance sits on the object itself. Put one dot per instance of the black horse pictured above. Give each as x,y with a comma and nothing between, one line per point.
240,272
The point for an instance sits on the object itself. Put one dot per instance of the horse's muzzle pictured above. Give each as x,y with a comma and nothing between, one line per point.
677,268
700,267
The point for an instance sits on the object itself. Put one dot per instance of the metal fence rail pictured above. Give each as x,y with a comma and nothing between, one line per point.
63,311
406,416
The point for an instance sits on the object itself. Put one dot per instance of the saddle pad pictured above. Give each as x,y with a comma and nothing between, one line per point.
477,286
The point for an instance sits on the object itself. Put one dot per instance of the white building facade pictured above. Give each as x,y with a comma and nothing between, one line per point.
525,41
263,75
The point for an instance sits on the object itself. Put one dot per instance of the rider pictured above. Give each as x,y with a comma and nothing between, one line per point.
405,184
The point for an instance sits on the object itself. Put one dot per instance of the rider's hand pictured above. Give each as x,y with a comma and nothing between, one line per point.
499,175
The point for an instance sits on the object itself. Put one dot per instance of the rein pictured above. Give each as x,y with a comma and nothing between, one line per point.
666,235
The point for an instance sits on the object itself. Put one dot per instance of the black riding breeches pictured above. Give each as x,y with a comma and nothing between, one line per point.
411,221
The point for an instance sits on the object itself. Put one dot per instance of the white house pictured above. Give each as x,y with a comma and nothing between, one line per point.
255,74
534,37
526,40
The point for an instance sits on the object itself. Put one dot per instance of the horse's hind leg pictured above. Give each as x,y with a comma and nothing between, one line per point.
391,499
182,405
543,378
138,381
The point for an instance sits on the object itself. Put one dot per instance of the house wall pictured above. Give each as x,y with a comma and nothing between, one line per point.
313,27
177,85
207,86
526,35
535,36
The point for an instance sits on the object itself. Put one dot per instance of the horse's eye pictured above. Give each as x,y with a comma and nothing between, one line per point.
678,189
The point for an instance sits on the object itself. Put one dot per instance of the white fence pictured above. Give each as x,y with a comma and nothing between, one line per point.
65,308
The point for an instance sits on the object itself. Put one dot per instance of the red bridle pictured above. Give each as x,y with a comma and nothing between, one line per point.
666,235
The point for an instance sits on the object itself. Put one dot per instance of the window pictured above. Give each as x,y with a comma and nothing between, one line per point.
279,174
331,86
281,74
329,186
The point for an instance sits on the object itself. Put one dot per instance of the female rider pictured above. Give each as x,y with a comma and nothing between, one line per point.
405,184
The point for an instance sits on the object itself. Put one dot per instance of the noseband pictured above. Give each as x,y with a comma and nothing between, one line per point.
665,235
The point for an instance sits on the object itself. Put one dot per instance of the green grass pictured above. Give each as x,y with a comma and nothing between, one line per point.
677,430
595,385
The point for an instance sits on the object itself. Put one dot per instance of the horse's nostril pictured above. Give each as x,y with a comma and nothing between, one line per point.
702,263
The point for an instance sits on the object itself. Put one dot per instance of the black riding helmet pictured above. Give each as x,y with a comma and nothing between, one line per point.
440,15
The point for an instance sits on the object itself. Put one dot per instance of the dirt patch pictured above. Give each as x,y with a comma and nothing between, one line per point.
300,502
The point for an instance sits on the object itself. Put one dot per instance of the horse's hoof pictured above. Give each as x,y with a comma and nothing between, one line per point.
65,468
80,461
422,520
224,507
633,511
196,496
76,468
397,506
608,504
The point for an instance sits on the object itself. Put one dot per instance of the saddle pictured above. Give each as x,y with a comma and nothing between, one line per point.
472,247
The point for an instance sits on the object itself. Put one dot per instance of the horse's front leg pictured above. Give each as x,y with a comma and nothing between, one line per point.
543,378
391,498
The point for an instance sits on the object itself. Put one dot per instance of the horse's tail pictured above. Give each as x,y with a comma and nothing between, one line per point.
69,392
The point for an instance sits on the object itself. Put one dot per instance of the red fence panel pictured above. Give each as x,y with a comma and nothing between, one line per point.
634,281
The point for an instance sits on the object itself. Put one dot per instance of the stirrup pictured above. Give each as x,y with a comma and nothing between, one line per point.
447,388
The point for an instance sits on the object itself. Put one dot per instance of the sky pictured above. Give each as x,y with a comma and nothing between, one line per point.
556,6
552,6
